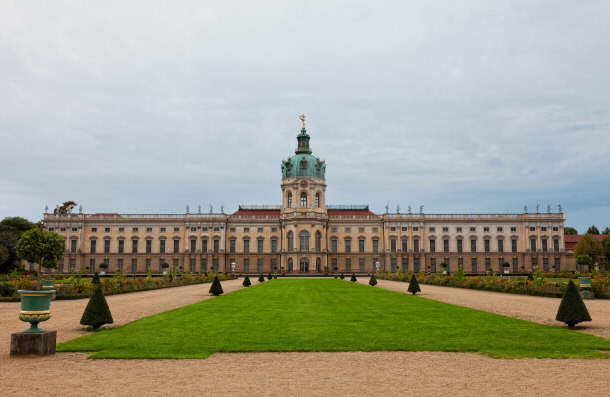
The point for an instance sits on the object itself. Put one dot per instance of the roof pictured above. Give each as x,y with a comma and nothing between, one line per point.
353,213
256,213
572,240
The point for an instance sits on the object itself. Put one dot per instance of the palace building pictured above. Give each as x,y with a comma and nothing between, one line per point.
305,235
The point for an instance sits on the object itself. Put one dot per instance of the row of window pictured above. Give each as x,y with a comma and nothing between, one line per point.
316,203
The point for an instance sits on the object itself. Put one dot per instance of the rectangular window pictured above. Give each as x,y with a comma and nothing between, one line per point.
162,229
333,245
176,263
360,230
445,229
259,230
361,264
404,228
486,228
545,265
176,246
106,230
193,229
121,246
543,229
121,229
203,229
73,246
348,265
93,246
259,245
231,230
92,265
149,230
556,244
513,245
515,265
52,229
375,245
348,245
62,229
134,246
393,265
259,265
246,230
334,264
106,246
458,229
273,245
274,264
473,245
162,246
393,228
445,245
74,229
216,245
487,264
460,248
473,229
544,245
416,245
204,264
533,244
273,229
216,229
72,263
93,229
246,246
499,229
204,245
246,265
134,261
555,228
500,245
405,264
215,264
532,228
134,229
333,230
375,230
473,264
176,229
161,262
557,264
232,245
147,265
361,245
513,229
148,246
461,263
393,245
193,245
432,229
348,230
192,265
433,265
415,265
487,245
432,245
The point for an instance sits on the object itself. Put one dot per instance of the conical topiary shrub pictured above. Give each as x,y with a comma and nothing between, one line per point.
96,279
269,277
353,279
572,309
97,312
246,282
216,288
413,285
373,280
342,276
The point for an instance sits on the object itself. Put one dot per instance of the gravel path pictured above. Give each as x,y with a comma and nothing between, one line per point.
320,374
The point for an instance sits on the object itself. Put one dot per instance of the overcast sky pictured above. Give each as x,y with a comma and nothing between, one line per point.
460,106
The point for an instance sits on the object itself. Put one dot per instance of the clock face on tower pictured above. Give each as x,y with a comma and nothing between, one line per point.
303,183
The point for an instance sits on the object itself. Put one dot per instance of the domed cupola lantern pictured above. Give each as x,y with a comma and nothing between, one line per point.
303,164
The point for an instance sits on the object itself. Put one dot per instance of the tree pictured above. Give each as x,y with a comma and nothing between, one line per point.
569,231
65,208
261,278
413,285
606,231
593,230
15,224
216,288
97,312
40,246
246,282
373,280
589,245
96,279
342,276
353,279
584,259
10,230
606,246
572,309
269,277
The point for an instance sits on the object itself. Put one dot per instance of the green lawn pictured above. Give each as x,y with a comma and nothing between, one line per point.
331,315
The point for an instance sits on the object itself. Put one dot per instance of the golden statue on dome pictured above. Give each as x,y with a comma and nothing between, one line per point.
302,117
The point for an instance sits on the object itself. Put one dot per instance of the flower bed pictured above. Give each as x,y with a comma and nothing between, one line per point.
539,284
74,287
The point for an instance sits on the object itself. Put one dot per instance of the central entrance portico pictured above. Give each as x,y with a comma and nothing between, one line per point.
304,265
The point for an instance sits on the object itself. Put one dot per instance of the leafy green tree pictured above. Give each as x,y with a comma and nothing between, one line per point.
593,230
606,245
15,224
40,246
584,259
373,280
589,245
261,278
65,208
246,282
413,285
10,230
569,231
606,231
353,279
216,288
97,312
572,309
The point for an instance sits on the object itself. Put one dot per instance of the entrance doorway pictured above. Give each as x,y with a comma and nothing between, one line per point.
289,265
318,265
304,265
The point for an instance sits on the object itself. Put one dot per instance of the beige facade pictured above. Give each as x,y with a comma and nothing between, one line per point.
305,235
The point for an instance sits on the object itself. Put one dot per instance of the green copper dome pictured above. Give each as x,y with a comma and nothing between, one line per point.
303,164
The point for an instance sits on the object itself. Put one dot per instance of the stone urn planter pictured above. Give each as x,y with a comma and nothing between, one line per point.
35,307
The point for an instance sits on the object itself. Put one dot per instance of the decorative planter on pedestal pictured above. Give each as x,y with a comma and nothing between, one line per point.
35,308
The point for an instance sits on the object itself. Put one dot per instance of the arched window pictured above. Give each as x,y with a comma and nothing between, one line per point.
289,200
318,241
303,200
317,200
290,240
304,241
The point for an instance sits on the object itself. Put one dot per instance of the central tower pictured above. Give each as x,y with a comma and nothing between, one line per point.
304,211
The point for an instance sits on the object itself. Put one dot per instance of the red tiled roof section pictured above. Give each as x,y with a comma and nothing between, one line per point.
254,213
351,213
572,240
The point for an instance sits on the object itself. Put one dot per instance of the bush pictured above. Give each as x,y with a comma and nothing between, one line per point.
97,312
246,282
342,276
373,280
413,285
6,289
353,279
216,288
269,277
261,279
96,279
572,309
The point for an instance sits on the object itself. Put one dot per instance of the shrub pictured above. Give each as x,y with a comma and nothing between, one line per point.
353,279
342,276
6,289
103,265
373,280
216,288
572,309
96,279
269,277
97,312
413,285
261,278
246,282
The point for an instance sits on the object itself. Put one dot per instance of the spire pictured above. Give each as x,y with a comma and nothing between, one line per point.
303,139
